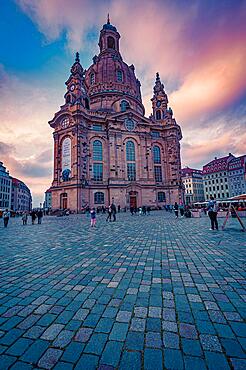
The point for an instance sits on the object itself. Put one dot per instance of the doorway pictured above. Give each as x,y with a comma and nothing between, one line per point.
63,201
133,201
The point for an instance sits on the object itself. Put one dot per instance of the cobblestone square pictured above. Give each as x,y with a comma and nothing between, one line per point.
145,292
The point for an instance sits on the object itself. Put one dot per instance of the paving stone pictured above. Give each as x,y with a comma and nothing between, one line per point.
143,284
50,358
111,354
153,359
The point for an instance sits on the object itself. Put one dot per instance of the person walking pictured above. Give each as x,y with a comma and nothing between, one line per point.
33,216
40,216
212,213
119,208
144,210
6,216
132,210
109,217
24,218
148,210
93,217
181,210
113,207
176,210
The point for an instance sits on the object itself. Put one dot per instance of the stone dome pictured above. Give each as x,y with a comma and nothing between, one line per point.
109,79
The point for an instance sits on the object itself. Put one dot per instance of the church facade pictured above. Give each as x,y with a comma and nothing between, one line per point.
105,149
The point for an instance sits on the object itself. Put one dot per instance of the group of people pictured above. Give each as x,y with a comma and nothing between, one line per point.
111,213
34,215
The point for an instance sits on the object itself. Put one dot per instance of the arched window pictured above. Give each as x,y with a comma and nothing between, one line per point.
99,197
87,105
130,159
157,163
68,99
97,151
92,78
111,42
156,155
130,151
161,196
158,114
119,75
124,105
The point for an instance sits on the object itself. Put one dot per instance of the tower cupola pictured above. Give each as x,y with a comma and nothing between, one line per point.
109,38
159,100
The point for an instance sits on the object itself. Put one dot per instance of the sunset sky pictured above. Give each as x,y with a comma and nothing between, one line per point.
198,47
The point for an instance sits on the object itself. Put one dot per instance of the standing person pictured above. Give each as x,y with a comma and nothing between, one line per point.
144,210
212,213
140,211
6,216
109,214
148,210
176,210
118,208
113,207
40,216
132,210
93,217
181,210
24,218
33,215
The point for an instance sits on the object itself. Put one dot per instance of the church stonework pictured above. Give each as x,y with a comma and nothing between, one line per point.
105,149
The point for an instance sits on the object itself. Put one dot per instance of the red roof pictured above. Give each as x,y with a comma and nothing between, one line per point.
218,164
190,171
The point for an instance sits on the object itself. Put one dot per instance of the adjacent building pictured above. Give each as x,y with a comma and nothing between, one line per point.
237,176
193,183
21,198
5,187
105,148
225,177
48,199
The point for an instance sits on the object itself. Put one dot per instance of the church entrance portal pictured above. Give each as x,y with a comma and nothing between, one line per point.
133,199
63,202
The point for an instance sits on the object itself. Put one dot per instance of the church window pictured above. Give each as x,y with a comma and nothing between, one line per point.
124,105
161,196
130,151
97,171
158,115
111,42
129,124
130,158
157,154
131,171
99,197
87,105
119,75
92,78
68,99
155,134
97,127
158,173
97,151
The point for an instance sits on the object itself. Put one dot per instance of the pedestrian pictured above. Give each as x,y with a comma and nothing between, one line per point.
181,210
40,216
132,210
212,213
24,218
113,207
176,210
140,211
109,214
118,208
33,216
93,217
6,216
148,210
144,210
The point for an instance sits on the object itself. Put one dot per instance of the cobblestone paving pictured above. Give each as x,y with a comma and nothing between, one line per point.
146,292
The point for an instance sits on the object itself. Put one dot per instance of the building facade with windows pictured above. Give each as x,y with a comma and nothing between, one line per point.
105,149
21,198
216,178
47,199
193,183
5,188
237,176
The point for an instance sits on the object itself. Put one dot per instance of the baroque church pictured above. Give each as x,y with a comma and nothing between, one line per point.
105,149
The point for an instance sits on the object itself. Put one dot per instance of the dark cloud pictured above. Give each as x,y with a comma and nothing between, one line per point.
6,149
